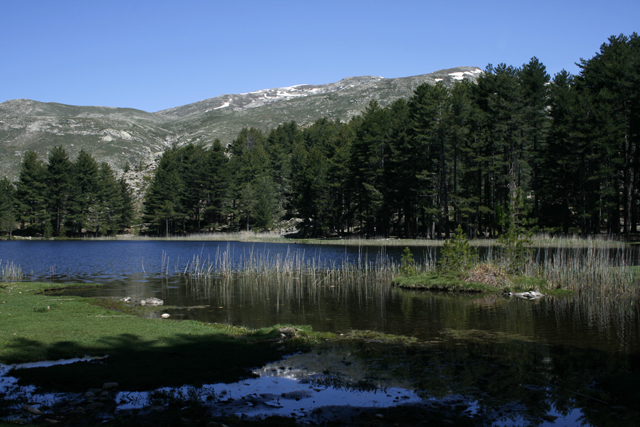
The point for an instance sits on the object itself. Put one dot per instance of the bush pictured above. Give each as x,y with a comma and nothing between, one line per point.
408,266
457,255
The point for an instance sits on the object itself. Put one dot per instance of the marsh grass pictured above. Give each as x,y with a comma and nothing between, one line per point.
604,271
295,279
594,269
10,272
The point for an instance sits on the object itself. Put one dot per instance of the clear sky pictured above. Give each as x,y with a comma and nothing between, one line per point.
158,54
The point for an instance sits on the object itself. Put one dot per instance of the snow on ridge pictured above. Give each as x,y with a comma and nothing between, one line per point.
460,75
226,104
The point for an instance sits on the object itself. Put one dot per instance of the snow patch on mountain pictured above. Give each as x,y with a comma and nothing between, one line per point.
460,75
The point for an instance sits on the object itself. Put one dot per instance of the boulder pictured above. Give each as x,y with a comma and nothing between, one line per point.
527,295
151,301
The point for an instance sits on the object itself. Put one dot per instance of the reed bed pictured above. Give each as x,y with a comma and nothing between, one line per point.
604,279
285,278
606,271
10,272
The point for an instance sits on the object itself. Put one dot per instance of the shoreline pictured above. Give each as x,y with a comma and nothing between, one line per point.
542,241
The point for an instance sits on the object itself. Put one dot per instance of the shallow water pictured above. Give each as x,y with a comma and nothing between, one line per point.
559,341
302,386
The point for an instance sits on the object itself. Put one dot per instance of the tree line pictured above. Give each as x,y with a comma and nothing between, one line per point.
559,153
63,198
516,147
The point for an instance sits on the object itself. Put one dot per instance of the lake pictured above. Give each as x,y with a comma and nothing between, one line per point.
571,341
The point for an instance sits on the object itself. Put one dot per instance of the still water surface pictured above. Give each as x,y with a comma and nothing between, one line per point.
138,270
538,357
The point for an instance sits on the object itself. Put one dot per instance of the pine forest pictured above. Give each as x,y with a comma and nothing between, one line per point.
559,154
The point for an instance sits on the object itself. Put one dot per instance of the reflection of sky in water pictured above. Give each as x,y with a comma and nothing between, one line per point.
291,387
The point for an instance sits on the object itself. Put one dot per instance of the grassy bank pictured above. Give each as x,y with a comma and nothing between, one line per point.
43,326
465,283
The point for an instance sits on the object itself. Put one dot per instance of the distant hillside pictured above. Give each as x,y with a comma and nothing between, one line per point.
123,135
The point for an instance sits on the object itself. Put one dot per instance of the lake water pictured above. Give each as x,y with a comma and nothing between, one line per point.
569,341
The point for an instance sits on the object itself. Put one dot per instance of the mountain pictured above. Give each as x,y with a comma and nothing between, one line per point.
124,135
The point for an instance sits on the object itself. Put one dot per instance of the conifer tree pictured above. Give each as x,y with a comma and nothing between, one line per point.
58,180
126,209
109,201
83,200
8,221
217,181
162,206
31,194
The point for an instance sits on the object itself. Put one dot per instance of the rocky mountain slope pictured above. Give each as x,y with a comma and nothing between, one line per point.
123,135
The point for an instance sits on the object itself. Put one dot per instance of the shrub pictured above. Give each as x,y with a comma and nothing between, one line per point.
408,266
457,255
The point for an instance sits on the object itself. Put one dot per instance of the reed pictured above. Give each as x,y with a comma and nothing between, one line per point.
606,271
10,272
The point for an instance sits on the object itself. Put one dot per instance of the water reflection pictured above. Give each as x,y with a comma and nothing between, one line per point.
514,361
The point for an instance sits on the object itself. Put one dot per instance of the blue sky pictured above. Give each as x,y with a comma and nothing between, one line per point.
157,54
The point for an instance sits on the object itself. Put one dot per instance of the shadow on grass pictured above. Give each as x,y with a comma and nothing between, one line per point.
139,364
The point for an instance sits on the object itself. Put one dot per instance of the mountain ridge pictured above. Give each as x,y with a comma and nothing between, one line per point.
122,136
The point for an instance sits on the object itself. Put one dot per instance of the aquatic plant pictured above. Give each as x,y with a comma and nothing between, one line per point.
10,272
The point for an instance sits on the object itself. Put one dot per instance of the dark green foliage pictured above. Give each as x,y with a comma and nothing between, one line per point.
48,230
84,207
162,202
457,255
407,265
31,191
59,182
517,237
8,221
70,198
126,209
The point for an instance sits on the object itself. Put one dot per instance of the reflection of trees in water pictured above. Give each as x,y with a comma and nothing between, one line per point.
615,318
607,300
507,376
291,276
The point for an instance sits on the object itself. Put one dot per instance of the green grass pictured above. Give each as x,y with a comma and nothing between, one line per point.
440,282
142,353
436,281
